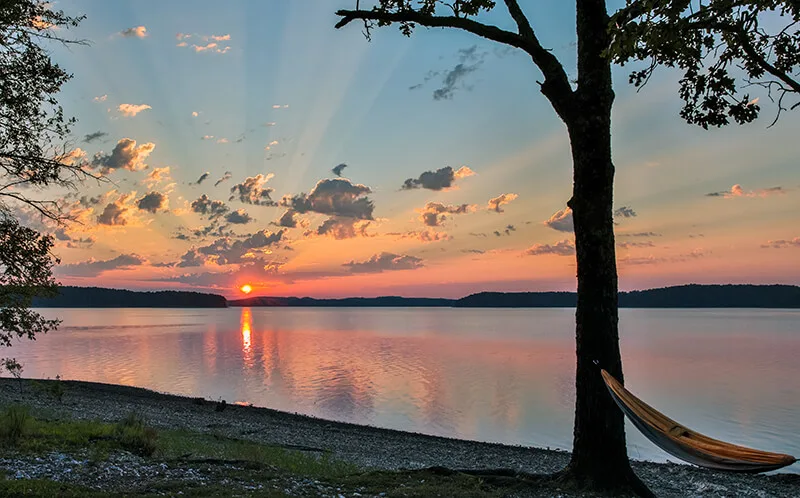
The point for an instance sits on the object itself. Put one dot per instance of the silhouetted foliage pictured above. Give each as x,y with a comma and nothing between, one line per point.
34,154
714,43
26,271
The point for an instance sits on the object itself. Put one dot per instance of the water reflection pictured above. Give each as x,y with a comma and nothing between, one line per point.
480,374
247,323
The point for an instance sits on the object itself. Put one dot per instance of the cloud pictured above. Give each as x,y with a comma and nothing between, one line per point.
130,110
738,191
207,137
252,191
91,137
287,220
217,37
624,212
652,260
72,242
425,236
195,114
337,170
781,244
211,47
126,155
205,206
639,234
225,177
152,202
631,245
496,203
440,179
238,217
202,178
224,251
507,231
469,60
135,32
334,197
101,98
561,221
93,267
472,251
182,36
223,141
117,213
384,261
434,213
343,228
561,248
157,175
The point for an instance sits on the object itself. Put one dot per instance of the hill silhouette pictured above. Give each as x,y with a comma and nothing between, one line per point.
98,297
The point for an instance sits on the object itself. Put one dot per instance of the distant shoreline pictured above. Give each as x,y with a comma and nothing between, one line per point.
682,296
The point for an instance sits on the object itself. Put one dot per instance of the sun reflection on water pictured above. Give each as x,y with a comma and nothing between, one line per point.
247,349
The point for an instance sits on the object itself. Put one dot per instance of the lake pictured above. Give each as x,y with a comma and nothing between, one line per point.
499,375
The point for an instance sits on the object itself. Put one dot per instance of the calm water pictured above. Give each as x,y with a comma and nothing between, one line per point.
489,375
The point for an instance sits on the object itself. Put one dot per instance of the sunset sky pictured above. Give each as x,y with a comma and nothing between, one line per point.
222,128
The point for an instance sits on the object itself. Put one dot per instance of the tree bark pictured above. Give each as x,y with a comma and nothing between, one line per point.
599,455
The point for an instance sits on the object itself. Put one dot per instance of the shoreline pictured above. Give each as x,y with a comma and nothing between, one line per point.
365,446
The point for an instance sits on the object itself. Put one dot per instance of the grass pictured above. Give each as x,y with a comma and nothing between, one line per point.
223,458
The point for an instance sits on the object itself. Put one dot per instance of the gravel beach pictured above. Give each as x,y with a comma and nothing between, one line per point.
365,446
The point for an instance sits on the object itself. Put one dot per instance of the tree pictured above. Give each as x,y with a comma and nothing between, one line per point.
34,154
639,31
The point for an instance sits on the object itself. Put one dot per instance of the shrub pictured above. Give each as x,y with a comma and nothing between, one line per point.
14,423
134,436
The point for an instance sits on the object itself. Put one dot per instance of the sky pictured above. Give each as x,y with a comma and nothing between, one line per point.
252,143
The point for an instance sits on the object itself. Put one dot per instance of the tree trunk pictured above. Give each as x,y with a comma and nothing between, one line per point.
599,455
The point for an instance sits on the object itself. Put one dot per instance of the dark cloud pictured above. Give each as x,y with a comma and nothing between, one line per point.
506,231
202,178
287,220
624,212
225,177
561,221
337,170
474,234
440,179
469,60
343,228
125,155
116,213
472,251
205,206
92,267
384,261
631,245
426,235
81,243
152,202
434,213
561,248
496,203
252,191
192,258
238,217
60,234
639,234
87,201
334,197
227,251
781,244
652,260
91,137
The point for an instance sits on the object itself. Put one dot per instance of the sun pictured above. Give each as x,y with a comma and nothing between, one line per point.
246,288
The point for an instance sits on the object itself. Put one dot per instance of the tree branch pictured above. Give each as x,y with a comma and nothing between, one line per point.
556,86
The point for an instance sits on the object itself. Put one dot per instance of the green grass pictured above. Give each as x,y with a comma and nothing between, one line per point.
23,434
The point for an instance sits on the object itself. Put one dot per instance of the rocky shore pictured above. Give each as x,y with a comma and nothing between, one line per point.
367,447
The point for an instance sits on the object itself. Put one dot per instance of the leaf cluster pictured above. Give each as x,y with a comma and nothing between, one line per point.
723,48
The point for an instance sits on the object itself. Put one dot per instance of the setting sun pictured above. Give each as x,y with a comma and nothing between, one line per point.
246,288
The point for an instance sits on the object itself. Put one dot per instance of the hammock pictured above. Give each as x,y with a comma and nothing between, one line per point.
687,444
